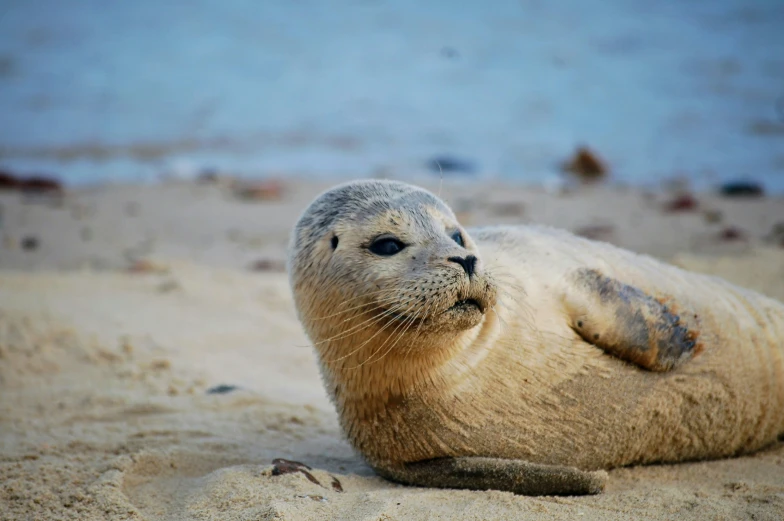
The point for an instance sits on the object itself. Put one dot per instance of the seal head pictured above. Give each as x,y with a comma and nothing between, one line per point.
388,259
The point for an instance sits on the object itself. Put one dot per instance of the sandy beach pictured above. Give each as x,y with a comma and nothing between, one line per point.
152,366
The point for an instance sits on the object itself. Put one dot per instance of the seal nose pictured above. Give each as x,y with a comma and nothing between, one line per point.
468,263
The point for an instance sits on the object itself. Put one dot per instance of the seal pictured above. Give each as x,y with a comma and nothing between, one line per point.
523,358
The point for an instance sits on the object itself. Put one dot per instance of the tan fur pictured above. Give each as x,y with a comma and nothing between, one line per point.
516,381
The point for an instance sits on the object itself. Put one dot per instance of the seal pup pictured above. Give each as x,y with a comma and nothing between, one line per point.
523,358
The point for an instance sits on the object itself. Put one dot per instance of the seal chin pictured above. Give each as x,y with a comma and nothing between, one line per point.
467,305
464,314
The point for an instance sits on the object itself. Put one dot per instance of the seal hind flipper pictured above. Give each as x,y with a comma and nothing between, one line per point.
627,323
510,475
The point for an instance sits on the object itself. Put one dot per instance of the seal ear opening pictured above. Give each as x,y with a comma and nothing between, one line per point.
334,242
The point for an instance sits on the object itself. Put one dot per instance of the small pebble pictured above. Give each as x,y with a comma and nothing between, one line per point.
222,389
160,365
268,265
449,164
147,266
742,189
31,185
681,203
8,181
41,185
597,232
284,466
586,165
29,243
731,233
271,190
336,486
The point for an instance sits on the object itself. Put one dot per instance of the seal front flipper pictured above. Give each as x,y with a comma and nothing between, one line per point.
510,475
627,323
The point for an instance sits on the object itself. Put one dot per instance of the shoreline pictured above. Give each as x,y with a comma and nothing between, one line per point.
235,222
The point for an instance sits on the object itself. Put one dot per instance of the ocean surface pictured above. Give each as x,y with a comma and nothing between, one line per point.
97,90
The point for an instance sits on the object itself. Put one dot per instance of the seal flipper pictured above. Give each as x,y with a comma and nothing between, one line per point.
517,476
628,323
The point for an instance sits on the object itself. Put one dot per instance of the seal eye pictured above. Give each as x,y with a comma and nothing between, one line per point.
386,246
458,238
334,242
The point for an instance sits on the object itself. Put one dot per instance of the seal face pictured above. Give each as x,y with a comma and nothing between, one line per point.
386,258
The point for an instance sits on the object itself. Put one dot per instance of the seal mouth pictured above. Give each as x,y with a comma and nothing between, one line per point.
468,304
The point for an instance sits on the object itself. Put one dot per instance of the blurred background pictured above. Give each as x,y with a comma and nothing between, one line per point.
92,90
156,155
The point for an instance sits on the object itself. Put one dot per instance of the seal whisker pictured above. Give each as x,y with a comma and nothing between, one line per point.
406,324
348,332
344,333
410,347
394,331
400,335
377,305
378,319
393,292
363,344
502,275
523,307
500,318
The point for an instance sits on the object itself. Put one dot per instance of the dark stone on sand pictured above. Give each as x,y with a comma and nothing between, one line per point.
8,181
286,466
586,165
742,189
732,234
282,466
596,232
36,184
41,185
222,389
30,243
681,203
267,190
450,164
336,486
268,265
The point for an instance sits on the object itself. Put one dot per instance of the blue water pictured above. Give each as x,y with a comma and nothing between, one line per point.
268,87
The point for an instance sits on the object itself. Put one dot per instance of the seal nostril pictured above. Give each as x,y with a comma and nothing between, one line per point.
468,263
